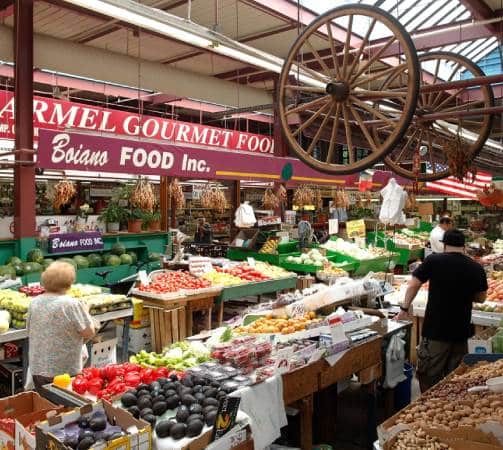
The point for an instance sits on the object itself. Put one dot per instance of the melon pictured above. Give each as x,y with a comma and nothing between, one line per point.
35,255
14,260
36,267
134,256
81,261
7,271
94,260
152,257
27,267
126,259
19,269
118,249
114,260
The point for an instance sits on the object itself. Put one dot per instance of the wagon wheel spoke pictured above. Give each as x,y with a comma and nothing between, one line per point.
334,94
446,125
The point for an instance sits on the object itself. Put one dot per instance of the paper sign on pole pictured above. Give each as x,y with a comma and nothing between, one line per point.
333,226
104,353
355,228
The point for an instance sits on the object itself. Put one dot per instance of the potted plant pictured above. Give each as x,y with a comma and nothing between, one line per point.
152,220
112,215
135,220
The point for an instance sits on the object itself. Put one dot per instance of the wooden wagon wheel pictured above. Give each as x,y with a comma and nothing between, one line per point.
419,155
327,92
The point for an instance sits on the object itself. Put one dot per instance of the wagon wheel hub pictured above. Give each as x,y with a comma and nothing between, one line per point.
339,90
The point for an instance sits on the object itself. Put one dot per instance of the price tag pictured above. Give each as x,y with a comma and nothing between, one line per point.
36,284
316,356
251,262
283,357
333,226
337,332
142,274
297,309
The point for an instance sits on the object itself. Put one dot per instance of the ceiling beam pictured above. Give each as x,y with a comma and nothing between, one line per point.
481,11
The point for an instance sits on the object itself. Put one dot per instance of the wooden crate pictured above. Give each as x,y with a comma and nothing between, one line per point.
167,326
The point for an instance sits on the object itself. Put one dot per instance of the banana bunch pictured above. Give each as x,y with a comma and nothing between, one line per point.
270,246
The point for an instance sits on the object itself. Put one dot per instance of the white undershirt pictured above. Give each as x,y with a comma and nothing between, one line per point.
436,235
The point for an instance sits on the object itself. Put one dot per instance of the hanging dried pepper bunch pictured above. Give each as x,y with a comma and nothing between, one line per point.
282,194
270,200
214,198
63,192
303,196
176,194
143,195
318,200
459,160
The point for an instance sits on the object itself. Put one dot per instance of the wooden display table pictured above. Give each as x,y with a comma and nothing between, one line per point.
299,386
171,320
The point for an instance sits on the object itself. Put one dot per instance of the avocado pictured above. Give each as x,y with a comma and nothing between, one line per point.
159,408
187,381
134,411
194,428
71,441
169,385
146,411
197,388
163,428
85,443
211,393
195,417
173,377
155,386
83,422
158,398
215,384
128,400
162,381
182,414
211,417
195,408
200,397
198,380
144,402
143,386
209,401
142,392
133,391
178,431
208,409
188,400
98,423
221,395
169,392
150,418
172,402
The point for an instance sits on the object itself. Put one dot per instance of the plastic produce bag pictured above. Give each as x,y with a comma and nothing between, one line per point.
245,217
395,359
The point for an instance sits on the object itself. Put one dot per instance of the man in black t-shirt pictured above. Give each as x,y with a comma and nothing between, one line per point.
456,281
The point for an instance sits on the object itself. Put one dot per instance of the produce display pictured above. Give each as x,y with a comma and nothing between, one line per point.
244,272
89,431
312,257
245,353
270,246
448,405
417,440
488,307
103,303
16,303
178,356
352,250
495,291
222,279
422,236
83,290
176,407
498,246
331,270
404,240
283,325
271,271
32,291
174,281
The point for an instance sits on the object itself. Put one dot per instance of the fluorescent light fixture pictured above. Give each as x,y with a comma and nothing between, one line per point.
191,33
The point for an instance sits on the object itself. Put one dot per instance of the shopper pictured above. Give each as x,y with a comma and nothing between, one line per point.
437,234
455,282
203,232
57,325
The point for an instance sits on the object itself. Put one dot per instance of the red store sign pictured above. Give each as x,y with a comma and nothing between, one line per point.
63,115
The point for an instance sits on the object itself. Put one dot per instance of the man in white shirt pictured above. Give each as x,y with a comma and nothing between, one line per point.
437,234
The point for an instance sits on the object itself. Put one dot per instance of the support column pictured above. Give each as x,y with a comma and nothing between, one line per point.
24,175
280,145
163,202
236,202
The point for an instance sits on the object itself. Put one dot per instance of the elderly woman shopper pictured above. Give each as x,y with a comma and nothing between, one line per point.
58,326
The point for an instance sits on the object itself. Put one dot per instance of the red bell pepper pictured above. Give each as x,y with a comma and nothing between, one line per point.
130,367
79,384
91,372
147,375
94,385
132,379
162,372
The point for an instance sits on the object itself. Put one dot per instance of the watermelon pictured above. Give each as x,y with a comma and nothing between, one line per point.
134,256
19,269
152,257
106,256
81,261
14,261
94,260
47,262
35,255
27,267
126,259
118,249
36,267
114,260
69,261
7,271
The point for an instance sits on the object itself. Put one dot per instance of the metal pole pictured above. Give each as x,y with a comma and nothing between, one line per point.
24,175
476,81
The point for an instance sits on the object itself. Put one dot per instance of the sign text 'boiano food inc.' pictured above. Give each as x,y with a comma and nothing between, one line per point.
63,115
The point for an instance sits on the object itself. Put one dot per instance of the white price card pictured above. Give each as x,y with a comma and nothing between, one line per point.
251,262
333,226
142,274
283,357
337,332
297,309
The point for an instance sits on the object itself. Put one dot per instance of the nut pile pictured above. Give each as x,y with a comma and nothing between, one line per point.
417,439
449,405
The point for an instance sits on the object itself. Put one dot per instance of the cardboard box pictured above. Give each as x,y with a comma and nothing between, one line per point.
139,339
482,343
17,414
140,440
245,239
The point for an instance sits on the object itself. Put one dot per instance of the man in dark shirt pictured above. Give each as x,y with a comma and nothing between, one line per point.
456,281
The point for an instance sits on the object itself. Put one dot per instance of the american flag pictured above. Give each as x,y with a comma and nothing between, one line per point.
466,189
